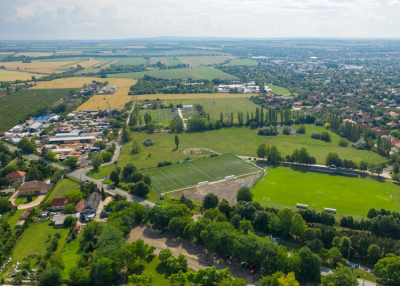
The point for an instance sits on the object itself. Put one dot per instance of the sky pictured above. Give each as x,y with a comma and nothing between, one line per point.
122,19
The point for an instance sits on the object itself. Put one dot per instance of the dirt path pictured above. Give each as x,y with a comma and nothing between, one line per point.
197,256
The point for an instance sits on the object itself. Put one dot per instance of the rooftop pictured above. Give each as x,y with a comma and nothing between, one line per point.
16,175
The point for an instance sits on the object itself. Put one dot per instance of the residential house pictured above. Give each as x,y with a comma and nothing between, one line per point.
17,176
60,203
91,205
79,206
393,114
392,124
35,188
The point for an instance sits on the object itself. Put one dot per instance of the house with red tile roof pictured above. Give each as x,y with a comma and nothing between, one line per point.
17,176
60,203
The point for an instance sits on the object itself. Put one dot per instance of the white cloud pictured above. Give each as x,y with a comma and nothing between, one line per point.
99,19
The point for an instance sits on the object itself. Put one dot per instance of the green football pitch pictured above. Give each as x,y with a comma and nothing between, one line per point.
180,176
284,187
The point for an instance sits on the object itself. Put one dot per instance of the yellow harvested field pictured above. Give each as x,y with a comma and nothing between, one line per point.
107,65
6,53
71,82
39,67
111,101
6,75
34,55
189,96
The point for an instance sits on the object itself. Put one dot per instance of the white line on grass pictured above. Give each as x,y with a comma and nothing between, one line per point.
201,171
168,178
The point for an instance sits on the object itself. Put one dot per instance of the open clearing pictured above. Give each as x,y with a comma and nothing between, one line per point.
284,187
70,82
179,176
193,73
6,75
214,106
239,141
161,116
183,96
279,90
111,101
204,60
33,55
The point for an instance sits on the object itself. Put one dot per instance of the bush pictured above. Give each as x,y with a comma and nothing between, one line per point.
315,135
148,142
165,163
301,129
286,130
360,144
343,142
268,131
318,122
325,136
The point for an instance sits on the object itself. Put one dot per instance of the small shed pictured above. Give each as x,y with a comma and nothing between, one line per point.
20,223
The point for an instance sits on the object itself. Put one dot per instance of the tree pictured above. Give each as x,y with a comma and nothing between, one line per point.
114,177
135,147
4,205
274,155
107,156
235,221
51,277
79,277
310,265
165,254
34,174
374,253
262,151
71,162
97,160
176,225
341,277
141,189
244,194
285,217
69,221
388,269
69,209
298,226
301,129
51,156
363,166
76,195
288,280
331,159
176,141
210,201
126,134
245,226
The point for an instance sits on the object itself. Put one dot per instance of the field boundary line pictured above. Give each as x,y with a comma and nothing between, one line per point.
202,172
168,178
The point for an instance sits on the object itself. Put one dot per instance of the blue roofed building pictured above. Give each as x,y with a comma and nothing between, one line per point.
42,119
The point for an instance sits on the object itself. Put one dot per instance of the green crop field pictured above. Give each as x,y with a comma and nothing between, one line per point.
179,176
131,61
214,106
242,62
204,60
162,60
279,90
25,103
193,73
173,61
283,186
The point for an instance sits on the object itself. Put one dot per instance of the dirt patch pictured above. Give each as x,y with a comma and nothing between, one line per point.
199,152
224,190
198,257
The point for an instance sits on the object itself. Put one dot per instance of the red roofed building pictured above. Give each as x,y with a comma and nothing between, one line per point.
79,206
60,203
392,124
17,176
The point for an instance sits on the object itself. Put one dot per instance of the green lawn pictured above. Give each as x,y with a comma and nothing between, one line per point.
160,116
193,73
12,217
279,90
214,106
157,268
283,186
242,62
65,185
70,255
179,176
21,200
35,240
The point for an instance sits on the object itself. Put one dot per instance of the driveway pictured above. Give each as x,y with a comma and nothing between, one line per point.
36,202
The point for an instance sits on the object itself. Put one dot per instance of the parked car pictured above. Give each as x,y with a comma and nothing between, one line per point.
243,264
253,271
87,181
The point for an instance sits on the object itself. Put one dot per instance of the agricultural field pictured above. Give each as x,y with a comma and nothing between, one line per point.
179,176
173,61
69,53
6,75
70,82
65,185
279,90
25,103
284,187
242,62
193,73
238,141
111,101
46,67
161,116
4,55
214,106
204,60
33,55
162,60
131,61
183,96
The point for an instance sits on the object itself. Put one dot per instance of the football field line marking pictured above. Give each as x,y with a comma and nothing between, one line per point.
168,178
232,165
201,171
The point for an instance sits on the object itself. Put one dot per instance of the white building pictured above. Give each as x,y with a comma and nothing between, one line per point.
187,107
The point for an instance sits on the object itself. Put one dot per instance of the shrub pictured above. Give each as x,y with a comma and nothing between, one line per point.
301,129
268,131
325,136
315,135
148,142
343,142
360,144
318,122
286,130
165,163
